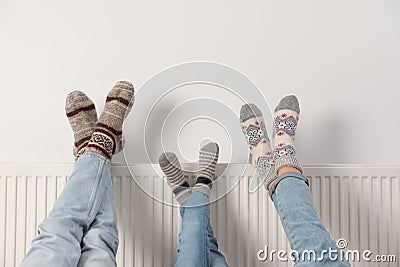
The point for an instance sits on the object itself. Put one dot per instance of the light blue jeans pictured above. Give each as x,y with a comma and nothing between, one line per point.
305,231
197,245
81,229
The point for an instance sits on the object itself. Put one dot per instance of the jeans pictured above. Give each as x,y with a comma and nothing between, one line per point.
81,228
197,245
303,228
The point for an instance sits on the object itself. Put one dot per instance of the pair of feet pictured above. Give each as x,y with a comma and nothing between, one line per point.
269,162
171,167
103,135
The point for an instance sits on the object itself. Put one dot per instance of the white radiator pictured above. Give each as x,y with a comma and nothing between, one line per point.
358,203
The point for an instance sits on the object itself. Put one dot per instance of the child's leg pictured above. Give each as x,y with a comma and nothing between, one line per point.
100,243
193,247
217,259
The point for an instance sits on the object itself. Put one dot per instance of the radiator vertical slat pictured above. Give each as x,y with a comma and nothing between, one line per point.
233,226
3,213
364,210
374,208
31,211
130,229
158,218
343,193
166,225
221,215
21,219
125,219
385,217
242,203
253,225
11,185
116,188
138,225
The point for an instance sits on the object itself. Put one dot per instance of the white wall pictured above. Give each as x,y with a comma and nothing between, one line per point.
341,58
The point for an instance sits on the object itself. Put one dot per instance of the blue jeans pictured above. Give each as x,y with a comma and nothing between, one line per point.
81,227
197,245
303,228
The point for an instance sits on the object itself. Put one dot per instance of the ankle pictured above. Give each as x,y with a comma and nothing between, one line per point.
281,171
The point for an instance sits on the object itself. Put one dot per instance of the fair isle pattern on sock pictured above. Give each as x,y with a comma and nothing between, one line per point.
285,123
253,128
169,164
207,164
82,116
107,138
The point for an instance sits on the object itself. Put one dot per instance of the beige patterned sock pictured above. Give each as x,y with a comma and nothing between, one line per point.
82,117
255,131
107,138
285,124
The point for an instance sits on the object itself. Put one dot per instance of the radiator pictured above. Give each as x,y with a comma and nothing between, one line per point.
358,203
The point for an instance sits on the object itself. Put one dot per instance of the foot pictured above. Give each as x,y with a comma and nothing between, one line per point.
107,138
253,127
285,123
82,116
207,164
169,164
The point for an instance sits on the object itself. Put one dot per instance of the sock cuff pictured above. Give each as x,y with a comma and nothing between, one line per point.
203,188
183,195
103,142
286,161
271,175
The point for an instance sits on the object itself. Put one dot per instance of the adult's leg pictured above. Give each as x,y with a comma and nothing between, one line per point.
291,195
100,243
60,234
304,230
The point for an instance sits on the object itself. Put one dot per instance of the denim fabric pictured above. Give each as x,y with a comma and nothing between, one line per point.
59,238
197,244
100,243
293,202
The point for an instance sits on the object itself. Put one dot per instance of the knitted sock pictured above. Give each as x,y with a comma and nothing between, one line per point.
285,123
171,167
207,163
107,138
82,117
253,127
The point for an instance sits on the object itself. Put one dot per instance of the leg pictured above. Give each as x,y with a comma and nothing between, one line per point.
100,243
305,231
192,239
197,244
193,246
217,259
60,234
291,195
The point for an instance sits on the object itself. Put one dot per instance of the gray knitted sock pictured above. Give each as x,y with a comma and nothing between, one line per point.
253,127
285,123
82,117
207,163
107,138
169,164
